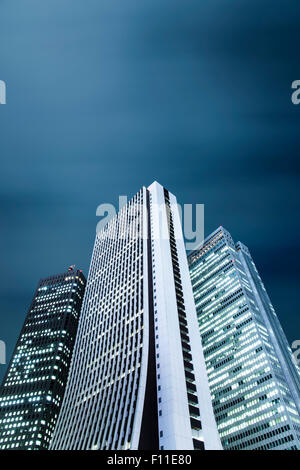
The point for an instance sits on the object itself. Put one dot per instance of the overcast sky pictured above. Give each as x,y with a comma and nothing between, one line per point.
104,97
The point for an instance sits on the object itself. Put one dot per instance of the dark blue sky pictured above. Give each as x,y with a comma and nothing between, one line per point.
105,96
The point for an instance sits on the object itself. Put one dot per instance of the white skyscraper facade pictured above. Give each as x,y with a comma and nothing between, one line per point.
138,378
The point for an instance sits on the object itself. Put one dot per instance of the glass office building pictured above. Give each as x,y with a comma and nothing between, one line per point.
33,387
138,377
253,380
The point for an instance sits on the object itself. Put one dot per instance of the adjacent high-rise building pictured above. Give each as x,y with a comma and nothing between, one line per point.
33,387
253,380
138,377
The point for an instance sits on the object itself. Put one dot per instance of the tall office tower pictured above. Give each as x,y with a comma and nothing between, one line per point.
33,387
253,381
138,378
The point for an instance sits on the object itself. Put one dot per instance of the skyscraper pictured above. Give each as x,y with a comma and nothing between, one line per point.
253,381
138,378
33,387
